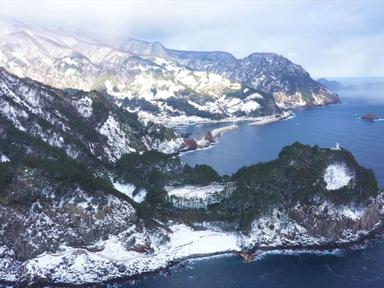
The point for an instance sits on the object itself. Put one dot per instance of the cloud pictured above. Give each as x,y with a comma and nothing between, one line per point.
328,38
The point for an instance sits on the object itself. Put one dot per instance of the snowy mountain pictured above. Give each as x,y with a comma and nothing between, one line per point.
91,189
289,83
156,88
84,124
162,85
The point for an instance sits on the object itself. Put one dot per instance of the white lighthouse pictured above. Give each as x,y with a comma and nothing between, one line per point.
337,146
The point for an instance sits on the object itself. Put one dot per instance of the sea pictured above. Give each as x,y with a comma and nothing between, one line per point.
361,267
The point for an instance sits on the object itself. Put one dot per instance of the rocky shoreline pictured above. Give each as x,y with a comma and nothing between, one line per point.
272,119
211,137
370,117
247,256
251,256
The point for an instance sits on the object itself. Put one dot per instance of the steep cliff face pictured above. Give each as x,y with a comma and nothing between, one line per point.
341,222
40,214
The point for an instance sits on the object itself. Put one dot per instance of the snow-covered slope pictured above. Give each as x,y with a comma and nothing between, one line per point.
81,123
289,83
157,88
160,84
164,91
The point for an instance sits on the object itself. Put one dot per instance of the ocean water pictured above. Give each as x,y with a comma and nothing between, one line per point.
363,268
322,126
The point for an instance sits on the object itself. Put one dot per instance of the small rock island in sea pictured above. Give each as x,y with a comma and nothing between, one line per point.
370,117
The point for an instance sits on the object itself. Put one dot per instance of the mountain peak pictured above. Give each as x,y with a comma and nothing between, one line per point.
141,47
269,55
271,59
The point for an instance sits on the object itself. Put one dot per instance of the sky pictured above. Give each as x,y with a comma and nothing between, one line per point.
328,38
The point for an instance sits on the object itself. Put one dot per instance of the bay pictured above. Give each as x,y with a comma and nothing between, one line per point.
322,126
363,268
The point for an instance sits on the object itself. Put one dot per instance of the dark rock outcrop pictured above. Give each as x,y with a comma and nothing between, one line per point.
190,144
370,117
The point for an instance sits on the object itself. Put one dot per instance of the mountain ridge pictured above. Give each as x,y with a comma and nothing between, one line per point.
215,60
203,92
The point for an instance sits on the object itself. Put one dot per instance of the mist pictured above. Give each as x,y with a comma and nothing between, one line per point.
328,38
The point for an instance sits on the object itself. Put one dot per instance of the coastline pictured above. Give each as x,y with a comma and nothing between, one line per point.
202,121
271,119
218,132
260,252
256,254
212,137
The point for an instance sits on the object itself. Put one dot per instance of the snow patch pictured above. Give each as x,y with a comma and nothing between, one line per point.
84,106
170,146
117,140
129,189
4,158
198,197
337,176
190,191
354,214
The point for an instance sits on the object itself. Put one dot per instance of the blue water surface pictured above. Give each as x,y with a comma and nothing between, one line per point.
363,268
322,126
